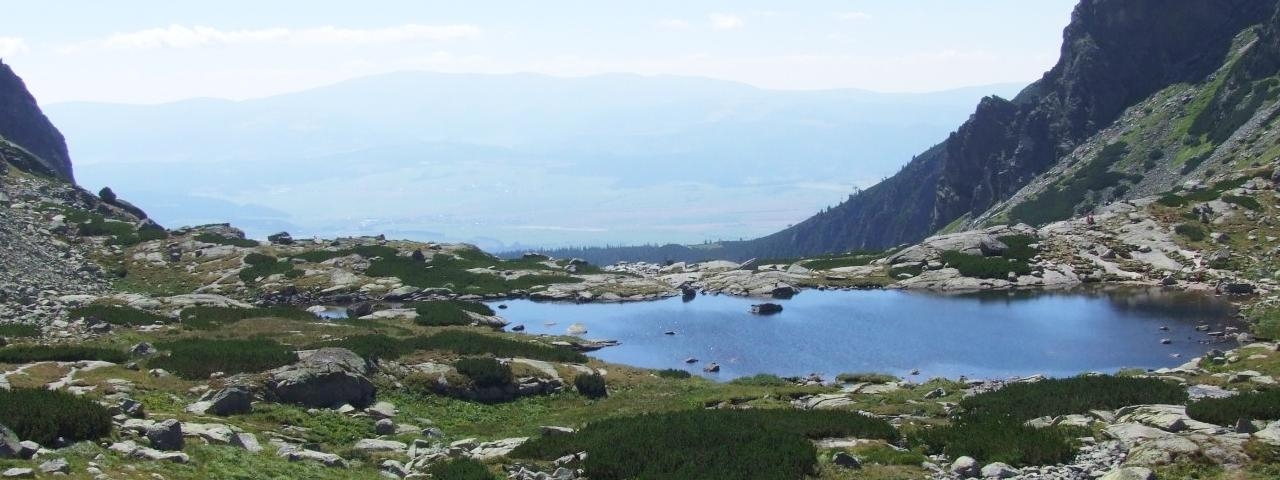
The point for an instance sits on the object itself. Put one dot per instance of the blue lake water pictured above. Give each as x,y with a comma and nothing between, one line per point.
991,335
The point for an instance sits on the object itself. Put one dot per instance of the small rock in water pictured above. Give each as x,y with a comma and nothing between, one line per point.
517,328
1165,341
669,332
712,368
577,329
690,360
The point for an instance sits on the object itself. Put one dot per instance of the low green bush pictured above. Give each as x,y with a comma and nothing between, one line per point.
1266,322
706,444
221,240
882,454
865,377
59,353
370,347
985,267
1019,247
446,271
484,371
1260,405
1246,202
264,266
45,416
439,313
995,439
1064,396
591,386
911,270
762,380
212,318
472,343
674,373
118,315
258,259
1191,231
196,359
19,330
460,469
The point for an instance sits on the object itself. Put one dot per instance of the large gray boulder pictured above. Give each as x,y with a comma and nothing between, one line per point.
166,435
10,446
327,378
228,401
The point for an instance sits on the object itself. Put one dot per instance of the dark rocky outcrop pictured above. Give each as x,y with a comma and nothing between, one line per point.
1115,54
23,124
327,378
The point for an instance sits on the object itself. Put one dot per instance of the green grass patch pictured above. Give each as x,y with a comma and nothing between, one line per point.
118,315
1259,405
865,377
212,318
19,330
882,454
762,380
59,353
1266,323
978,266
221,240
196,359
706,444
673,373
484,371
44,416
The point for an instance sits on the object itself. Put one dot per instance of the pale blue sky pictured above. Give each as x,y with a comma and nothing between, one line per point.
154,51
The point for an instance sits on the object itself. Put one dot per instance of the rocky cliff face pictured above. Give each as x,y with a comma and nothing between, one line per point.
1115,54
23,124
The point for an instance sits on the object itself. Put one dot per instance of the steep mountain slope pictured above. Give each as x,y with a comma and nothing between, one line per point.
1179,138
1115,54
23,124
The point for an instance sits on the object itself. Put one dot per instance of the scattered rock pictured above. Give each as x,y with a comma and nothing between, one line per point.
166,435
965,467
842,459
1129,473
57,465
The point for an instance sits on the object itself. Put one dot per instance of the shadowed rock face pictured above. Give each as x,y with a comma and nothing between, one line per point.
327,378
22,123
1115,54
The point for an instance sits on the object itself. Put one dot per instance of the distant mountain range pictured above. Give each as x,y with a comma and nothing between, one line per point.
508,160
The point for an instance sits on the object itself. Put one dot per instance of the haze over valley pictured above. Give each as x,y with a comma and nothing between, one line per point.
509,161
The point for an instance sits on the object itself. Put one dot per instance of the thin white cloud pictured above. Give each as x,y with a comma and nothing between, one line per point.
673,24
724,21
182,36
853,16
10,46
